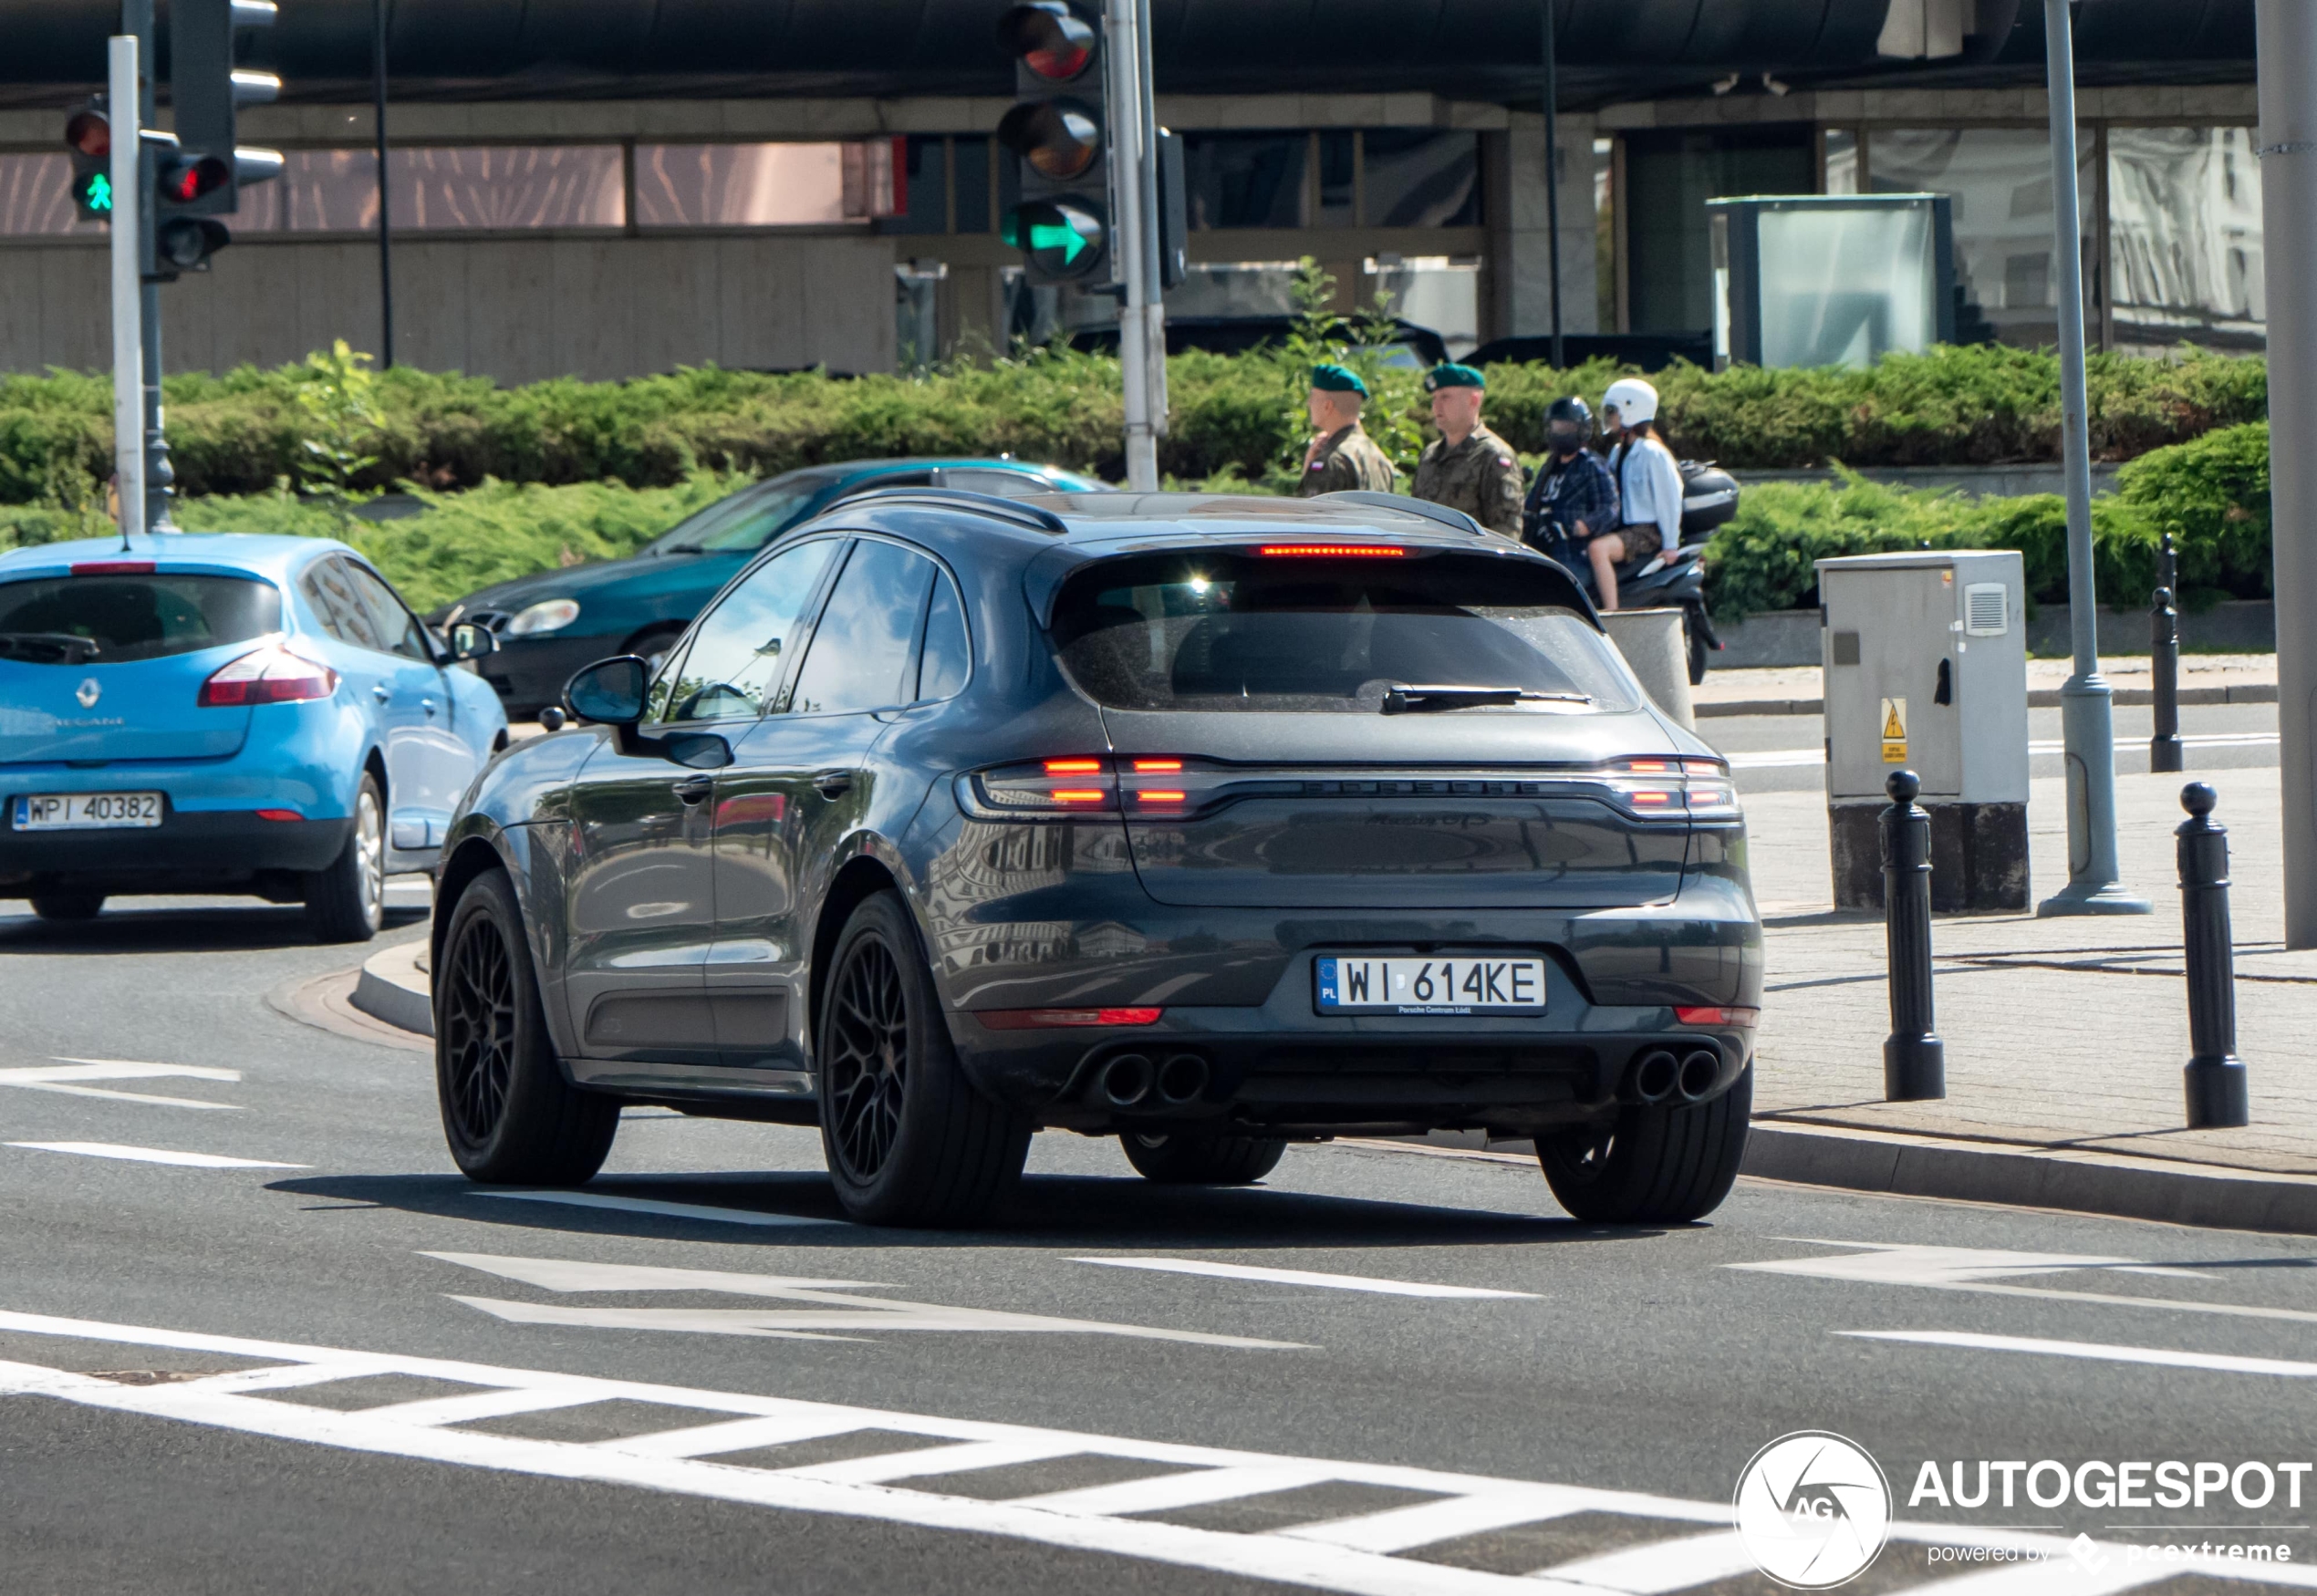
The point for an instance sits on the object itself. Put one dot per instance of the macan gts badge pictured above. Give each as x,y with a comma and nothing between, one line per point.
1210,823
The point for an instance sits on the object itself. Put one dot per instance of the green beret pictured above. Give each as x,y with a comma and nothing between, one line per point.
1337,378
1449,374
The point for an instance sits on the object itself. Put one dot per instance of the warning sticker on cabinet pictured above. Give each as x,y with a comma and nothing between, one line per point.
1894,731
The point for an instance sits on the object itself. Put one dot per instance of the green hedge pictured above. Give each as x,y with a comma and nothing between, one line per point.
2211,493
242,432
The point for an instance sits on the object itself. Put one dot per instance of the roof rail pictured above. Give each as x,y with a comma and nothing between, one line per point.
966,498
1454,519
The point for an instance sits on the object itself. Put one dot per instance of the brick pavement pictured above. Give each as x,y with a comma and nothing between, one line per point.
2063,1033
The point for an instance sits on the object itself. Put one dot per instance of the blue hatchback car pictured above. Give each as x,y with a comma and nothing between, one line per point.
226,714
552,623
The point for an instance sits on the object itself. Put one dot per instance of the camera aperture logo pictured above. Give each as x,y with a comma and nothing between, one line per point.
1812,1509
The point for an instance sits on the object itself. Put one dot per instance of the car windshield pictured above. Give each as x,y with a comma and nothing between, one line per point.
112,620
1245,632
748,520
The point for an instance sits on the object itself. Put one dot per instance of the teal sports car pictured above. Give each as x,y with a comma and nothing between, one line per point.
551,623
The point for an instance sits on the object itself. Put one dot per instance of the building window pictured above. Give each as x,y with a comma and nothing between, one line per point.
764,185
35,199
2185,237
1670,173
1417,177
506,187
1841,161
1247,179
970,171
1439,292
922,205
1338,179
1998,182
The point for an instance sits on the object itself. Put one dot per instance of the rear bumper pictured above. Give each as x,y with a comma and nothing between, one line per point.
190,851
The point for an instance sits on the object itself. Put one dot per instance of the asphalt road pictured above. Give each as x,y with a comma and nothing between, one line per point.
1450,1385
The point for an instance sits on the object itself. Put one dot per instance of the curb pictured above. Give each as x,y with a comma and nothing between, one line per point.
2079,1182
2257,692
393,986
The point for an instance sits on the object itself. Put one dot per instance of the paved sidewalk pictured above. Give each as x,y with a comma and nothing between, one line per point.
2061,1034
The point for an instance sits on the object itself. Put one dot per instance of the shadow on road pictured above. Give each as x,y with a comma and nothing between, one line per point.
1050,1210
204,928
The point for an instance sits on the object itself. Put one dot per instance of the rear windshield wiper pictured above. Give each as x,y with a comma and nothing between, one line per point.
1418,700
50,647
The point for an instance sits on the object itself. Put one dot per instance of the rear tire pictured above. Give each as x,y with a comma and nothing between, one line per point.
908,1138
1180,1159
68,907
1696,637
1655,1166
346,899
507,1113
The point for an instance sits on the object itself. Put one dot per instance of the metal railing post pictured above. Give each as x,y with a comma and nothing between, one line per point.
2163,661
2219,1093
1913,1057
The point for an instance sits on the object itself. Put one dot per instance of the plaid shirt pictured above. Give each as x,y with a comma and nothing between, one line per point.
1568,492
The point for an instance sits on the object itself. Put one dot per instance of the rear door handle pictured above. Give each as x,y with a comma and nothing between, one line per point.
833,784
695,789
382,695
429,706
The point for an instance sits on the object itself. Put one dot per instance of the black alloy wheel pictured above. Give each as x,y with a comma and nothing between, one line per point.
1666,1164
909,1139
508,1112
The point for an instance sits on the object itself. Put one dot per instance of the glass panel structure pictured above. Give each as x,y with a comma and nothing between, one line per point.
2185,237
1999,179
1421,177
1247,179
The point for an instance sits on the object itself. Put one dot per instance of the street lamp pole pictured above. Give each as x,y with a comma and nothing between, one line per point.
2286,32
2086,706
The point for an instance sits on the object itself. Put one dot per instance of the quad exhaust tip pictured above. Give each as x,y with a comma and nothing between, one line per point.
1182,1079
1656,1074
1127,1080
1699,1071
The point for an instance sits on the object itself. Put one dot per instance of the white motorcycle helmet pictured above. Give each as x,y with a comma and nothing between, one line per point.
1635,401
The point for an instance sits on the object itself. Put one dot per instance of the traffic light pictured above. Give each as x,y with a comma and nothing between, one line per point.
1056,132
89,135
207,92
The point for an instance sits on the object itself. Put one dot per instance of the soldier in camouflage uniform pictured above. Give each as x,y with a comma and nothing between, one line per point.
1467,467
1342,455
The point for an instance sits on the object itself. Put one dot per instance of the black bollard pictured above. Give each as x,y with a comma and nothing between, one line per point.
2163,663
1914,1059
2219,1094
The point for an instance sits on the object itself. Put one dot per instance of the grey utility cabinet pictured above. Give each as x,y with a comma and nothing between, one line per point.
1926,669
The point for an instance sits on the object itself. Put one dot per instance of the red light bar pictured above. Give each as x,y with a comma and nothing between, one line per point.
113,568
1647,799
1056,1018
1072,767
1158,764
1742,1018
279,815
1654,767
1163,797
1080,795
1341,550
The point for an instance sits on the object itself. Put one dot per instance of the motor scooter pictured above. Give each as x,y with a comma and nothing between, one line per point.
1666,579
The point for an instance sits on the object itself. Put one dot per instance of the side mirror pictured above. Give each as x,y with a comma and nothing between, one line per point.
610,691
471,641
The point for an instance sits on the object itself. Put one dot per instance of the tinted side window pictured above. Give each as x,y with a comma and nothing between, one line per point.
947,657
396,624
734,664
330,590
866,639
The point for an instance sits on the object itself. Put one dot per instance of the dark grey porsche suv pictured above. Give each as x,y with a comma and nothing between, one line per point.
1211,823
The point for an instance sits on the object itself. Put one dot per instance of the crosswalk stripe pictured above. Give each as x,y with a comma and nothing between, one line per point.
1428,1523
1297,1277
154,1156
1661,1567
2165,1356
667,1210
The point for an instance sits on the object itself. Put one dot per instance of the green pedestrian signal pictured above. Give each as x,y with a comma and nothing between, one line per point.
89,135
96,195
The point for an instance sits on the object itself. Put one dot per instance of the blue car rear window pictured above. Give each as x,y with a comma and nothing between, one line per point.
112,620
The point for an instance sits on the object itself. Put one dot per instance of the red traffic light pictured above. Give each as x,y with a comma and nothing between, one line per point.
187,178
90,133
1059,138
1048,37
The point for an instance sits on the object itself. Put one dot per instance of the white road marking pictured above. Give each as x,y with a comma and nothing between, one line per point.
627,1204
830,1307
1661,1566
2164,1356
1336,1562
70,1076
1426,1523
1296,1277
1966,1269
155,1155
1795,758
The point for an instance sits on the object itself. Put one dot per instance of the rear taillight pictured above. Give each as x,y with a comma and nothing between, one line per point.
1719,1019
1332,551
1064,1019
1675,789
1041,789
270,676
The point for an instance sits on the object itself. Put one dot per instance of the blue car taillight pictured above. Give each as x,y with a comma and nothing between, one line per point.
272,675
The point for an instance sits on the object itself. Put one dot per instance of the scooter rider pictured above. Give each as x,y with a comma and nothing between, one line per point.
1574,498
1649,486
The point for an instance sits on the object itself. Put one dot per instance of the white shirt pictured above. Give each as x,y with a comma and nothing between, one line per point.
1649,489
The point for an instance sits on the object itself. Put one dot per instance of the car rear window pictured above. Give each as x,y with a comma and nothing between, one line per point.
112,620
1240,631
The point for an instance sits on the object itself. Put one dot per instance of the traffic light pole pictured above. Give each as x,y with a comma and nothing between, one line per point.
2286,32
1154,278
127,299
2087,723
137,19
1131,217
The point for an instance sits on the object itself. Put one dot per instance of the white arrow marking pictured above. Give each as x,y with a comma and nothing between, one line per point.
154,1156
66,1074
1296,1277
829,1307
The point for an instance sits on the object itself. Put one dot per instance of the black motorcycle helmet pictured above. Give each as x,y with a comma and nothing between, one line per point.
1569,423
